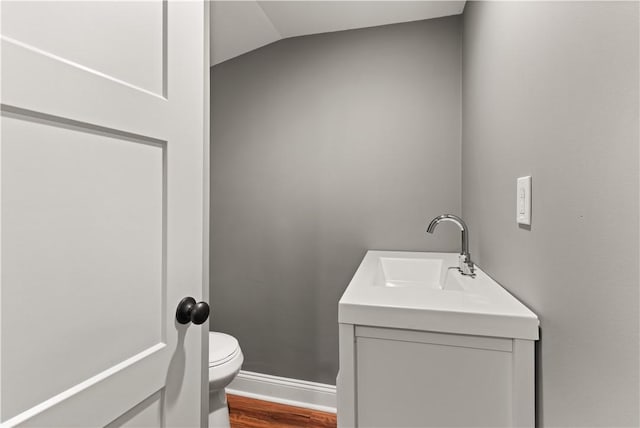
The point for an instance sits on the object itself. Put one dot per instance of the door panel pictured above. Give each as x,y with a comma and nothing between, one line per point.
122,40
146,414
102,213
87,210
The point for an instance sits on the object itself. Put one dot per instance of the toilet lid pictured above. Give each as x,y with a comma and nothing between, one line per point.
222,348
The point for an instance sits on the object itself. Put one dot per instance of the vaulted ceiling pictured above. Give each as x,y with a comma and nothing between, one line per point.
241,26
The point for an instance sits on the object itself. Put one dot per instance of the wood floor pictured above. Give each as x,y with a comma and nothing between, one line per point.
250,413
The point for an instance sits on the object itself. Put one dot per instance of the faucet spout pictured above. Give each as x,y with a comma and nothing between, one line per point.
466,265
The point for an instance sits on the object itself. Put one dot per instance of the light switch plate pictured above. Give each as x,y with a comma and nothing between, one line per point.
523,201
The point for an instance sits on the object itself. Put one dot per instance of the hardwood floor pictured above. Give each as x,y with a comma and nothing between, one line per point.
250,413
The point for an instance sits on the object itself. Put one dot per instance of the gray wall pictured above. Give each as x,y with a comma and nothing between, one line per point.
322,147
552,90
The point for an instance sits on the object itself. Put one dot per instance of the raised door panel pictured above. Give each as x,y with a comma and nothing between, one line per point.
149,414
55,84
121,40
82,218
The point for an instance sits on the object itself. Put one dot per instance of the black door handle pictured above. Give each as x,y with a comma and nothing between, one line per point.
190,311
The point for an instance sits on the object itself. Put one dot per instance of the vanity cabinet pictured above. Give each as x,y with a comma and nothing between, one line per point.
423,346
405,378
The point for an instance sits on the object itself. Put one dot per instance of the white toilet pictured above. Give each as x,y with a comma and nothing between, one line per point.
225,360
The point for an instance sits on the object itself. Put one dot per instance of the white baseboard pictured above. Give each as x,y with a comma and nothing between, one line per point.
292,392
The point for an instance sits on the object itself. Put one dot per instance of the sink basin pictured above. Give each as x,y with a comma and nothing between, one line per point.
431,273
425,291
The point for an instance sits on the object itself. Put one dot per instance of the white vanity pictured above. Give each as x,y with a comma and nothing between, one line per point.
423,346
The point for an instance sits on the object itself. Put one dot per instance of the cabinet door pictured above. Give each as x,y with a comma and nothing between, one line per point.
409,384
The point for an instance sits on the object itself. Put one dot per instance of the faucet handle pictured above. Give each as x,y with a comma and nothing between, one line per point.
466,266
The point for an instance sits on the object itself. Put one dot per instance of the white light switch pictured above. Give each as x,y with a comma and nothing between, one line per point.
523,200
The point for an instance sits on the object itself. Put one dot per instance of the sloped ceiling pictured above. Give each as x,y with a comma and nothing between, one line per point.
241,26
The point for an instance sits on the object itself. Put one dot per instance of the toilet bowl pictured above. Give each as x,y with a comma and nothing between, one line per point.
225,360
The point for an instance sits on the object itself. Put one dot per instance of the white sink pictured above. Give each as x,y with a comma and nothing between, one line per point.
430,273
425,291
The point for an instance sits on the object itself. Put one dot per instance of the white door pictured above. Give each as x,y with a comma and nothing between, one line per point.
103,207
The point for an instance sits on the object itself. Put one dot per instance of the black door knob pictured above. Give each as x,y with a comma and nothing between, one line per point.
190,311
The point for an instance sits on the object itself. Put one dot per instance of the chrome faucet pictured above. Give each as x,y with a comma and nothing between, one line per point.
465,265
